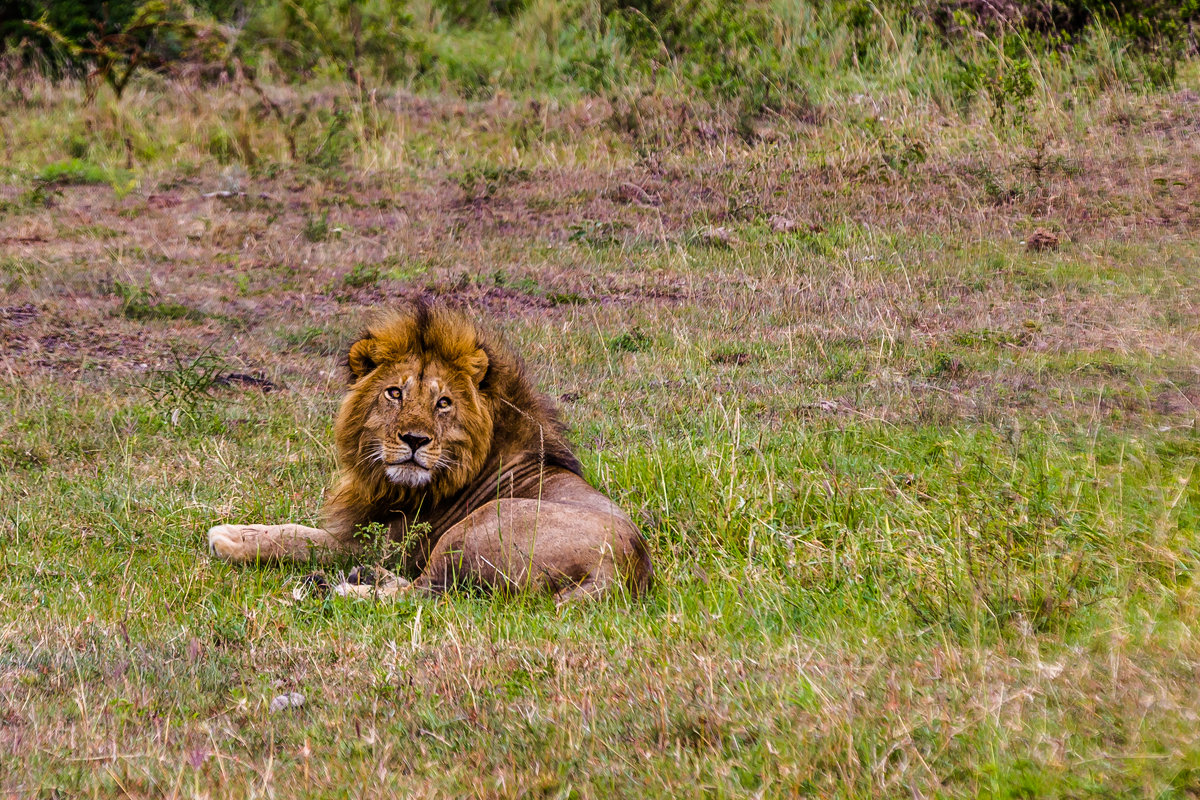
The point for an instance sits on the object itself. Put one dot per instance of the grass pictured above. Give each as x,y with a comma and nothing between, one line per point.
920,498
73,171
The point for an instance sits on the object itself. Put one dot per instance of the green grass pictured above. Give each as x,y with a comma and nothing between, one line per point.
73,171
921,500
836,610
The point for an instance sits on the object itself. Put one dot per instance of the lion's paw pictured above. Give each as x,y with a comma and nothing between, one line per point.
227,542
372,582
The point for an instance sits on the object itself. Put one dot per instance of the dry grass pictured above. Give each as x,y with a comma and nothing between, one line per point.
920,495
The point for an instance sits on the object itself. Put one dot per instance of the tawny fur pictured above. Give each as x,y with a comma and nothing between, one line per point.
441,425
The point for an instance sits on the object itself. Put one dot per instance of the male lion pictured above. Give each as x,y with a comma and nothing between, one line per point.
442,426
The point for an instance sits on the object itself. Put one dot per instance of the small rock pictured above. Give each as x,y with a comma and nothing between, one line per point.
782,224
286,701
715,236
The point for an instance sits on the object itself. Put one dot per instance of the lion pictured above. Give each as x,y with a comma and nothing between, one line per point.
443,438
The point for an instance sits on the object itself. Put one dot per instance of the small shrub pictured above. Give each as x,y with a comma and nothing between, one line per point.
380,549
307,36
723,49
474,12
333,141
77,146
946,366
363,275
184,386
316,229
74,171
1011,88
141,303
220,145
111,42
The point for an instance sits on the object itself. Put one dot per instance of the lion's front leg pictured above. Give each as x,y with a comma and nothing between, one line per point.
240,544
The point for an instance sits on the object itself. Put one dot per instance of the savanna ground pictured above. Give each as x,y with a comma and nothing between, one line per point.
904,398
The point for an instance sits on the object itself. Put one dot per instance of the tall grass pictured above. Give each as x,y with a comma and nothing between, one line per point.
302,92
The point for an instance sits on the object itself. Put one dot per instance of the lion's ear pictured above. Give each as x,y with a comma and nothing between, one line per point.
476,365
361,359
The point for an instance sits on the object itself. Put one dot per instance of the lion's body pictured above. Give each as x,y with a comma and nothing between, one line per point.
443,438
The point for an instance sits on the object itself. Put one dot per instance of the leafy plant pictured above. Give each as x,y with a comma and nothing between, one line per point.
1011,87
333,141
721,48
380,549
141,303
185,385
468,12
363,274
342,37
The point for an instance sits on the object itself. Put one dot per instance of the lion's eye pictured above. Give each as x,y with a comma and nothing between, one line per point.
443,403
393,392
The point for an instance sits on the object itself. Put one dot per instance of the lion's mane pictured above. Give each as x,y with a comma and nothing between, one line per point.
512,421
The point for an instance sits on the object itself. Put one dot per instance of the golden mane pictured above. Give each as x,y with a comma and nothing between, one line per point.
513,418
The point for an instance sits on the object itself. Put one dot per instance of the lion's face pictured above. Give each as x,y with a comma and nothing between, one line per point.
415,417
413,428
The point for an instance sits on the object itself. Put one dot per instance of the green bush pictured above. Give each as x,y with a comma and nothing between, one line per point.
760,55
73,171
75,19
723,49
345,36
111,42
1151,23
474,12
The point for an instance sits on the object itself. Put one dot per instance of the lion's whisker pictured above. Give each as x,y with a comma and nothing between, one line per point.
445,462
374,455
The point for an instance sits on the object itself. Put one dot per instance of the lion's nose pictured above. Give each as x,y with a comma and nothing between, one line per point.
415,441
